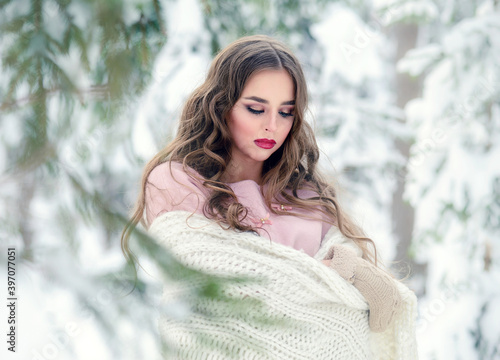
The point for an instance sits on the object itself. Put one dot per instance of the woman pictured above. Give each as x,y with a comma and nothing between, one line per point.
243,163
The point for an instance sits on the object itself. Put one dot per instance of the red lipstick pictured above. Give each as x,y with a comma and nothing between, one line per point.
265,143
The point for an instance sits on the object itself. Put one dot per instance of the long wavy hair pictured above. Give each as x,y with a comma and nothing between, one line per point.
203,143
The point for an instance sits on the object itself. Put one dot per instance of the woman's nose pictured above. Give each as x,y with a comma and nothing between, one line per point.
271,123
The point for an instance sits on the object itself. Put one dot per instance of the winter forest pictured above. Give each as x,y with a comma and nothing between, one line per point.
405,102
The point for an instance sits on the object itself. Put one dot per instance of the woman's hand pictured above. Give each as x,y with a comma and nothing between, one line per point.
376,286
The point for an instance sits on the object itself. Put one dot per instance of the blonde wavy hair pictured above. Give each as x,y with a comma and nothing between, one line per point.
203,143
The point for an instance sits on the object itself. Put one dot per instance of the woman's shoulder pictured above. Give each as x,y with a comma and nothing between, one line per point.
170,173
170,187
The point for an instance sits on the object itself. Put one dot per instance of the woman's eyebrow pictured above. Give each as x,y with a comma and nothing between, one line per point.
264,101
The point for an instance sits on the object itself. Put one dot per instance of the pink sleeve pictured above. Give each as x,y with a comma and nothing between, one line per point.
168,191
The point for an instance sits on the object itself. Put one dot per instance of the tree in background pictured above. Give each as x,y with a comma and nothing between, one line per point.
454,176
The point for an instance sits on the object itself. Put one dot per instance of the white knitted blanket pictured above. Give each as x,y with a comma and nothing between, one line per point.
312,312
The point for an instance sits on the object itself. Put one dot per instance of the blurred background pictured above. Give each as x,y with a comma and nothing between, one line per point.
405,101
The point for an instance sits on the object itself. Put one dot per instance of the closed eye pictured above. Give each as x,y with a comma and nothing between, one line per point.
286,114
258,112
253,111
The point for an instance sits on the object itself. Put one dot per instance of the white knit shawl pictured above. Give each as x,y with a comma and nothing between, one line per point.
325,316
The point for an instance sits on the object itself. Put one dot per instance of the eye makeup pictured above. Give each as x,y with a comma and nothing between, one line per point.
258,112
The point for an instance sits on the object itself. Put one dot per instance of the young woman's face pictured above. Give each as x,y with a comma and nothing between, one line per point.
262,117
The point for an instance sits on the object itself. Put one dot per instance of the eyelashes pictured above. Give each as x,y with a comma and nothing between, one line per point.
285,114
258,112
253,111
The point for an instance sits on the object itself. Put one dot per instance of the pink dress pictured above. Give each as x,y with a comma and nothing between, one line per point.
181,192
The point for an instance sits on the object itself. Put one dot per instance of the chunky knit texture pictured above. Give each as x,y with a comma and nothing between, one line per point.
313,312
376,286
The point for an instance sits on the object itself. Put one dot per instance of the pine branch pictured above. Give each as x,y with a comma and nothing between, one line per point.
161,23
95,92
3,3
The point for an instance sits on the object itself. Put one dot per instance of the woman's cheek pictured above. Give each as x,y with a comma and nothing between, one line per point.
286,132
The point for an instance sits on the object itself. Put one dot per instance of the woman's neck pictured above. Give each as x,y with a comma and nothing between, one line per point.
239,172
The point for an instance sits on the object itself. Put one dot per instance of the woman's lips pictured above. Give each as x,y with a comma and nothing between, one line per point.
265,143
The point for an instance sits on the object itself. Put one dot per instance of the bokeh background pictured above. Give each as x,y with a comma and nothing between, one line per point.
405,101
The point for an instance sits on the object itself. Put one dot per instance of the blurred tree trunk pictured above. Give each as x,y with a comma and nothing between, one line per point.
403,214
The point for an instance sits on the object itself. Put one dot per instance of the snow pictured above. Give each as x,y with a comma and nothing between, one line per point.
179,68
349,44
416,61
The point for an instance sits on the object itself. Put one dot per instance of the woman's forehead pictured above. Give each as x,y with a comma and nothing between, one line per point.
270,86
